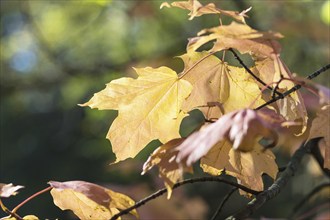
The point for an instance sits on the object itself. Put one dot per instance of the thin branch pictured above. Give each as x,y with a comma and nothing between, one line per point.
278,185
315,151
252,74
307,198
223,202
295,88
31,197
193,180
6,210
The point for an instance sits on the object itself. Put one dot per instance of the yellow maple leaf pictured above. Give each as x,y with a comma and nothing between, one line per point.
247,167
243,93
89,201
209,77
321,128
149,108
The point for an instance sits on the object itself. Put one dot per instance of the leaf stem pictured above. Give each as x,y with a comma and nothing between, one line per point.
294,88
31,197
178,184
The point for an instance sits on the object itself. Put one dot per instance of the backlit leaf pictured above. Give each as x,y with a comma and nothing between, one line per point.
149,108
88,200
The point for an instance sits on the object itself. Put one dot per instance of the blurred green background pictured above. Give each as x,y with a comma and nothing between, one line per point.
56,54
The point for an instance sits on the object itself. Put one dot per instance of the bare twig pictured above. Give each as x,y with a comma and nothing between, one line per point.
6,210
295,88
307,198
278,185
252,74
223,202
194,180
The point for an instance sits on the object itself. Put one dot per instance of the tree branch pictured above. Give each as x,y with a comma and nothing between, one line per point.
194,180
278,185
295,88
223,202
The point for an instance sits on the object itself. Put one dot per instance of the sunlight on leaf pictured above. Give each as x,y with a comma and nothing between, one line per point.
149,108
88,200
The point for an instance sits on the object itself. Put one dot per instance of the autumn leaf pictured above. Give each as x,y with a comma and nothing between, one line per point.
164,157
321,128
247,167
88,200
7,190
209,77
218,88
197,9
243,93
291,107
239,36
149,108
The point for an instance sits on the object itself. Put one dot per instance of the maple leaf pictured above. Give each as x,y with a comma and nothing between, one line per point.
7,190
88,200
218,88
197,9
164,157
247,167
321,128
209,77
291,107
149,108
239,36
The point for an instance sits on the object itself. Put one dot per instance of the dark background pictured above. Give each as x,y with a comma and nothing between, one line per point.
56,54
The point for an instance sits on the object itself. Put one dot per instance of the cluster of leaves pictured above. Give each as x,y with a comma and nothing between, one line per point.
241,120
154,105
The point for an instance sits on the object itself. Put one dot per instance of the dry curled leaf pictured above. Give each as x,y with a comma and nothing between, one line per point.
7,190
88,200
149,108
164,157
197,9
321,128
